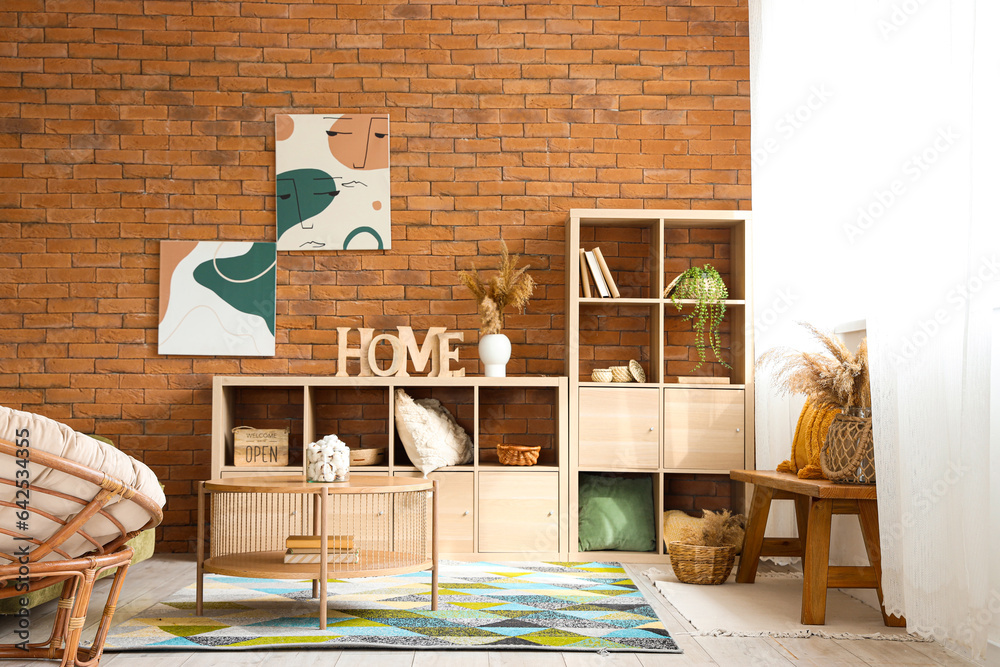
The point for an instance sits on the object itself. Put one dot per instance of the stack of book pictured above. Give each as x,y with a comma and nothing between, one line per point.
593,260
307,548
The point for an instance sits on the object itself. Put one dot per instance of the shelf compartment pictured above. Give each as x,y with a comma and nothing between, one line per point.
612,334
703,428
680,353
630,252
619,427
458,400
694,492
597,480
518,416
518,511
357,415
686,247
266,408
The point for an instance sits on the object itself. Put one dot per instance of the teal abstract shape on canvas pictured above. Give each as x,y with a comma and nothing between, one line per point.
303,194
245,282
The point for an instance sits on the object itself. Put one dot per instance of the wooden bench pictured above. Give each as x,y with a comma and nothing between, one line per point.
816,501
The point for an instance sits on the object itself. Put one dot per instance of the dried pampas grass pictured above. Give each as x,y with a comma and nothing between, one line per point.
511,286
838,378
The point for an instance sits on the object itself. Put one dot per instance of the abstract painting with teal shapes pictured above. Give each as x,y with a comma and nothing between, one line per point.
332,184
217,298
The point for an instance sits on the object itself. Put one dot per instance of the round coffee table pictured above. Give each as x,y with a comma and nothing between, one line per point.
382,526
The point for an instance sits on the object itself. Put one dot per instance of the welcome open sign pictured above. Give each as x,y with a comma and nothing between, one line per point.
260,447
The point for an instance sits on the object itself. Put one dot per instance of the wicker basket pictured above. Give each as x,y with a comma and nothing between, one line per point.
621,374
518,455
601,375
695,564
367,456
848,454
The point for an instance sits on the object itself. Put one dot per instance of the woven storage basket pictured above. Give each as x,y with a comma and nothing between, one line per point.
620,374
601,375
695,564
848,454
518,455
367,456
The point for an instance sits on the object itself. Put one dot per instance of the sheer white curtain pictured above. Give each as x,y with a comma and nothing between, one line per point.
875,148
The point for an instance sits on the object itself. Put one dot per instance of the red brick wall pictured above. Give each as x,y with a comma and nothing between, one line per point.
123,123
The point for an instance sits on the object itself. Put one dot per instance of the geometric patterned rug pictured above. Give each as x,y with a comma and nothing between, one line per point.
554,606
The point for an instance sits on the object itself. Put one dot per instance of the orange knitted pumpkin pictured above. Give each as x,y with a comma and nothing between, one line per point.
810,433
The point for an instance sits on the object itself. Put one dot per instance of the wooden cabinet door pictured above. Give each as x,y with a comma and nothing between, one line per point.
703,429
455,510
619,427
518,511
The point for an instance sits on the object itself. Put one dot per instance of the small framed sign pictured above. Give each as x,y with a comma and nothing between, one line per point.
265,448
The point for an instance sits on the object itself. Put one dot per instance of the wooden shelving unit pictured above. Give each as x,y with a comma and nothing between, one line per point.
658,428
477,498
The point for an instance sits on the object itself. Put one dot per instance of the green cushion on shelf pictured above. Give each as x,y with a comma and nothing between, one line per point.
616,513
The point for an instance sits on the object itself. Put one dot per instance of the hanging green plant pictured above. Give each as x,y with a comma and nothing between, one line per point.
705,286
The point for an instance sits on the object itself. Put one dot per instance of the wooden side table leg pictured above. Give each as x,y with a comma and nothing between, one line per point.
760,507
316,529
816,563
199,581
434,546
868,516
323,553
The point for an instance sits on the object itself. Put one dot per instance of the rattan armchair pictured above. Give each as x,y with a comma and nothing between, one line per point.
43,562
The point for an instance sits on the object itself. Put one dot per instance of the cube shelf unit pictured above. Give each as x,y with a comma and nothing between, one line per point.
662,427
488,510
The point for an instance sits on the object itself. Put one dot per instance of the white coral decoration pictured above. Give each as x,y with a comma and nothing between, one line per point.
328,460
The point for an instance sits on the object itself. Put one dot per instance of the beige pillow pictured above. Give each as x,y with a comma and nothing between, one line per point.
429,433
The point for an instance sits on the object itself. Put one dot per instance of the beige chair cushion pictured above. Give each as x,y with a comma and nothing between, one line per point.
46,435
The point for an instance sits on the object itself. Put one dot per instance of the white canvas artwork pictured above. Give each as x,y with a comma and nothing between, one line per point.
332,184
217,298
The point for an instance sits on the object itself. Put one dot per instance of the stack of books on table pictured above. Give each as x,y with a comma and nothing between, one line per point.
306,549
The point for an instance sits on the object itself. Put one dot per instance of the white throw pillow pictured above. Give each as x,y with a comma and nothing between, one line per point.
429,433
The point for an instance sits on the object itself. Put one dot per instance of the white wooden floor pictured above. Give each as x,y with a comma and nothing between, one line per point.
156,578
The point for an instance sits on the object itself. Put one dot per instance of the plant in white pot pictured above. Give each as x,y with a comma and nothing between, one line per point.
509,287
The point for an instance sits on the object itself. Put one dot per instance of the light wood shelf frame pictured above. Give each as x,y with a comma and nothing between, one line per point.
225,388
739,312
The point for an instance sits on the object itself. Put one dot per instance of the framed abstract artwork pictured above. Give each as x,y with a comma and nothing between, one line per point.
217,298
332,181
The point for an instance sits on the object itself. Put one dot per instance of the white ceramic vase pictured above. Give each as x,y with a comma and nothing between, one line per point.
494,352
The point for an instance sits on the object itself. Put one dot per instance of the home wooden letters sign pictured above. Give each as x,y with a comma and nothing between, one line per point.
436,348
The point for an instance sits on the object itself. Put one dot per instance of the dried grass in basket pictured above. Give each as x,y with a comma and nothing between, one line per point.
518,455
696,564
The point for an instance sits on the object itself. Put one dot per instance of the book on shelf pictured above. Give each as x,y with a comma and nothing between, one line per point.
584,280
608,278
313,556
314,542
597,275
